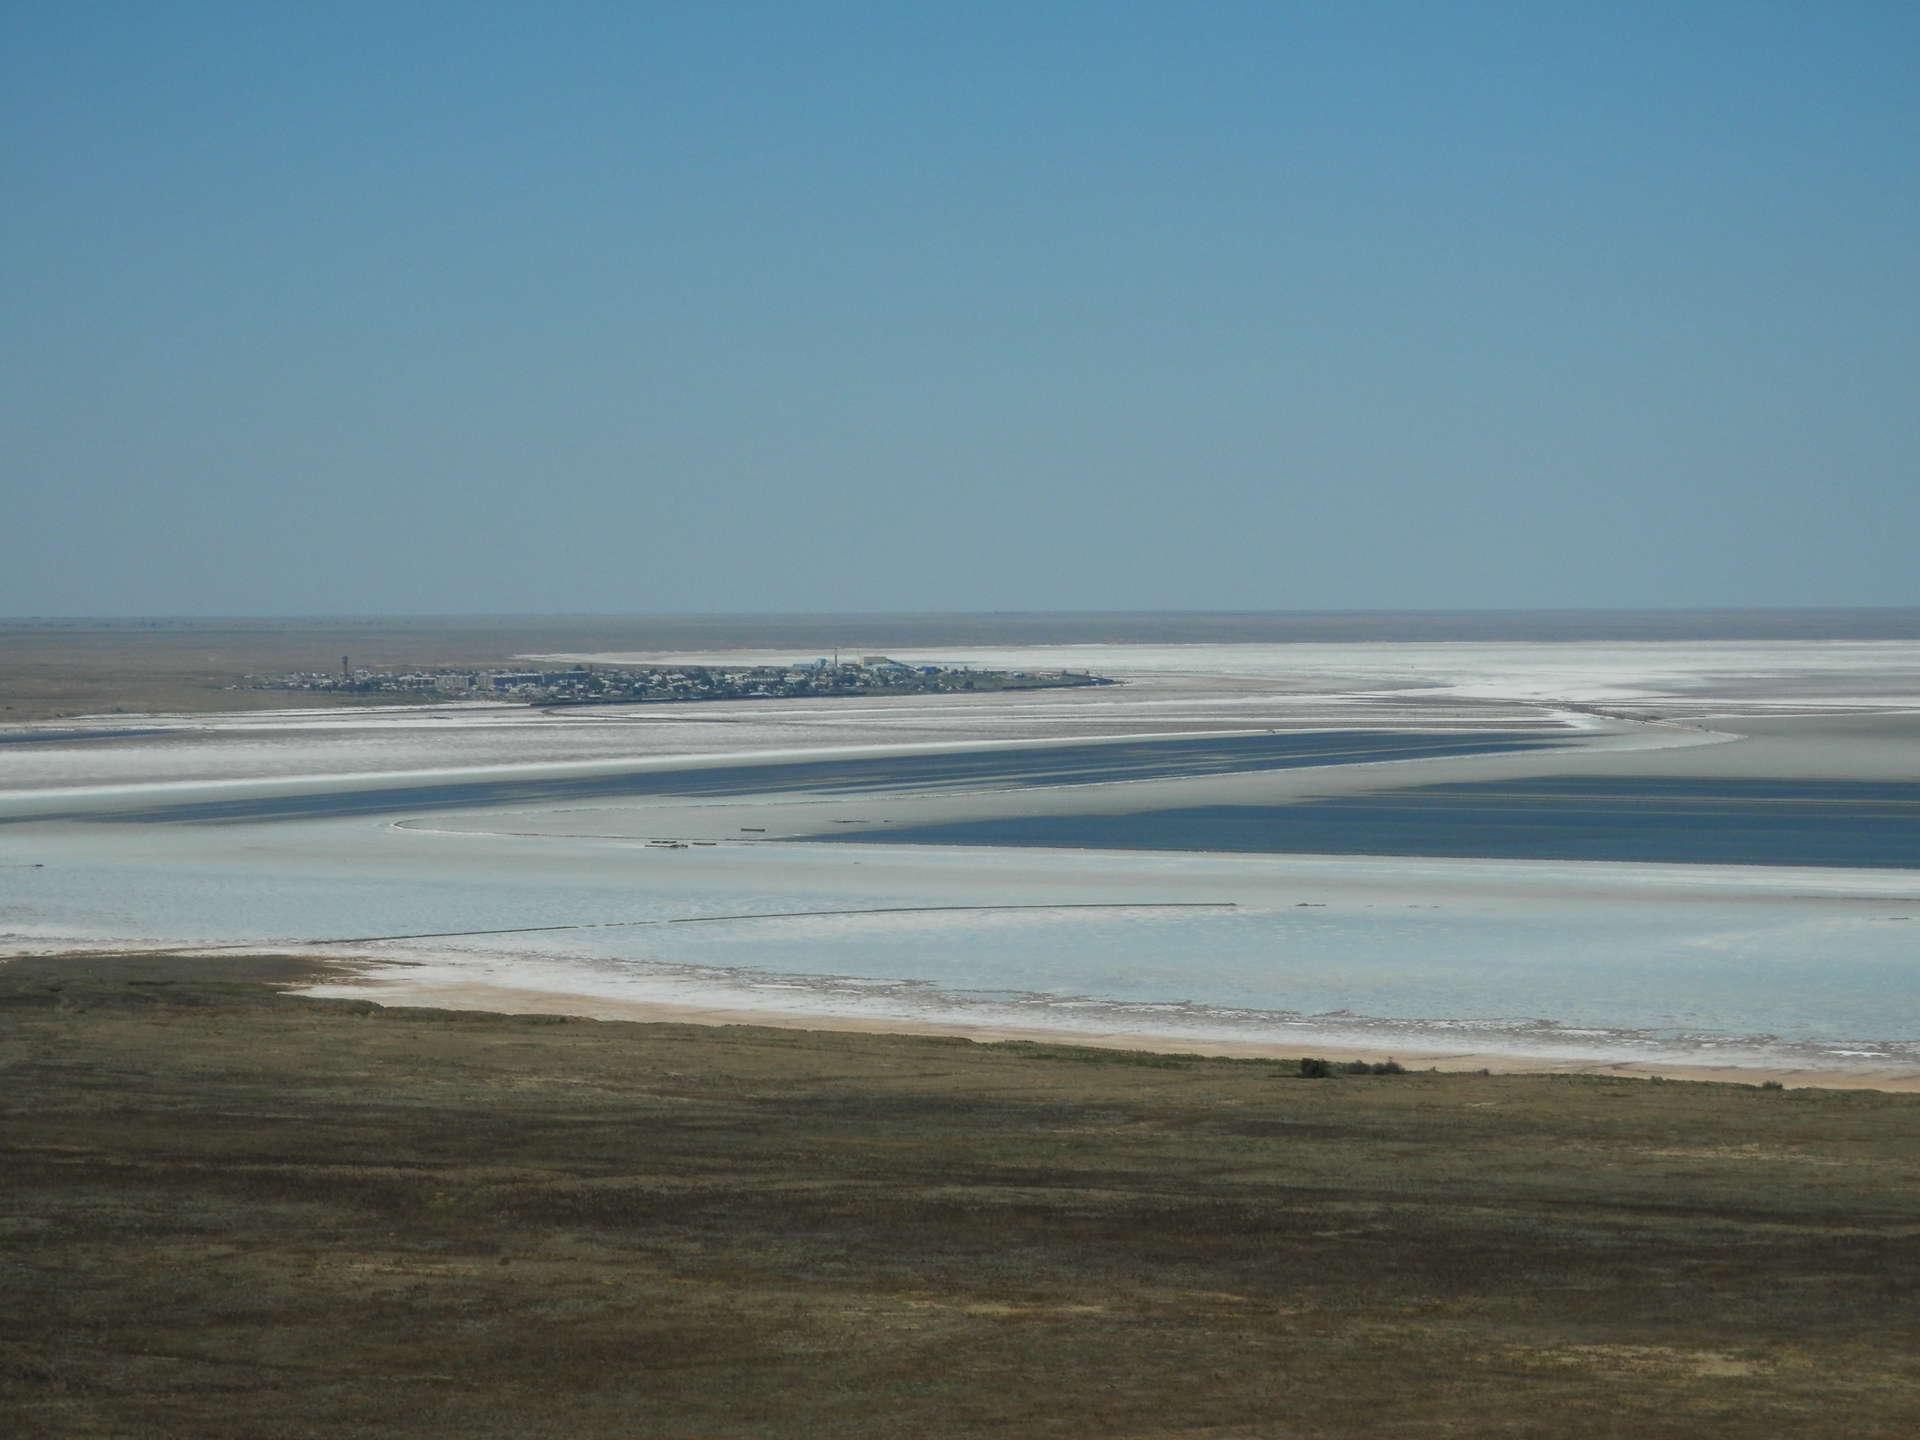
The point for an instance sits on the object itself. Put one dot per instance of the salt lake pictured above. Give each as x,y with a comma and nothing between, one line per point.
1435,849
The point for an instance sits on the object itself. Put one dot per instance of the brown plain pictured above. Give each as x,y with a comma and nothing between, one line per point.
232,1212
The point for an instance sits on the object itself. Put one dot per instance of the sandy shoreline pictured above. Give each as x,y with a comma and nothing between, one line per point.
1904,1079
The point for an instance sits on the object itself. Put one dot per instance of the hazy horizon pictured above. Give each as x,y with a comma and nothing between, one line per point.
376,616
693,631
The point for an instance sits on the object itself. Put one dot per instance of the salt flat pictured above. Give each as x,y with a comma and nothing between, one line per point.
539,854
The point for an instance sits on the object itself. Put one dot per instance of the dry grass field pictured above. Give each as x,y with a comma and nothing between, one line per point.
229,1212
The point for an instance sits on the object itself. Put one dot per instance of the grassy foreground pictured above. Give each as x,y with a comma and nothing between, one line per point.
228,1212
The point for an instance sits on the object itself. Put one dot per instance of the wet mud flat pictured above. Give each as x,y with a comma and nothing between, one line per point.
229,1211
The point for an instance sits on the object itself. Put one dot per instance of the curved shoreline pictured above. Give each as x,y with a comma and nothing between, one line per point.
482,997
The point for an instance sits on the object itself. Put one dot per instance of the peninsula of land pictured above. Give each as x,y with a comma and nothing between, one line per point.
59,668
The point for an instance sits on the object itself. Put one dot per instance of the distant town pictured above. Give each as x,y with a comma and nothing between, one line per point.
641,684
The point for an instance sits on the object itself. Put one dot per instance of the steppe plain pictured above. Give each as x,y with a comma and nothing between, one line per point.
231,1212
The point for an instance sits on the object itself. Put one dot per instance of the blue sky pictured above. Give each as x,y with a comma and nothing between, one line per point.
716,306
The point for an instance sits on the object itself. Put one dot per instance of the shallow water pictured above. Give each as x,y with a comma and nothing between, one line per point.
1717,821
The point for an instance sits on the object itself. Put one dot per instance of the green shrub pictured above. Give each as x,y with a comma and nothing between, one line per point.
1315,1069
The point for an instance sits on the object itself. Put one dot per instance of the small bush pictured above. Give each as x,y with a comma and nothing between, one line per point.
1315,1069
1771,1085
